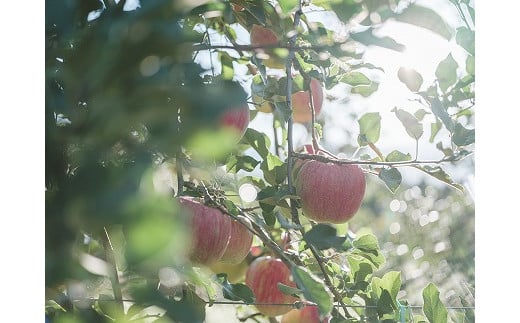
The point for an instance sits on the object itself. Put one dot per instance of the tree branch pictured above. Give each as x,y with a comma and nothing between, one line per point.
373,163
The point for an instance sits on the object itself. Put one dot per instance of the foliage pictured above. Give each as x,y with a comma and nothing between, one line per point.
130,104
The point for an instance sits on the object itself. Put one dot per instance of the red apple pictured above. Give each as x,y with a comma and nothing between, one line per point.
301,102
329,192
239,243
308,314
261,36
263,276
236,119
210,231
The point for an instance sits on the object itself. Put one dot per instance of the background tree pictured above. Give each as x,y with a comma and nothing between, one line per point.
143,104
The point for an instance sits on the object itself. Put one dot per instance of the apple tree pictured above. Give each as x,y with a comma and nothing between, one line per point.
190,161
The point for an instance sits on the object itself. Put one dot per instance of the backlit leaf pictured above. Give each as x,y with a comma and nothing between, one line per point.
463,136
411,78
369,128
440,174
433,308
425,18
314,289
355,78
440,112
446,72
413,127
396,156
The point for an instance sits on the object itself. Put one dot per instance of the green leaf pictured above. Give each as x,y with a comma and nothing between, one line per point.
360,268
391,177
314,289
462,136
258,141
386,305
369,128
365,90
419,114
226,61
391,281
288,5
355,78
396,156
470,65
435,127
446,72
367,243
440,112
275,170
268,214
345,9
433,308
466,39
236,163
411,78
440,174
235,292
425,18
288,290
324,236
367,37
413,127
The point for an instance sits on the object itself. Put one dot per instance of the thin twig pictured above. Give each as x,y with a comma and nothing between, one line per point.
274,304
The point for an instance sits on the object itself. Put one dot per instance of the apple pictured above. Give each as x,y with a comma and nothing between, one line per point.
262,277
308,314
235,272
240,242
261,36
329,192
210,231
236,119
301,102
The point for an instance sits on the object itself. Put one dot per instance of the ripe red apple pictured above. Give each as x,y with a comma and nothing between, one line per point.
239,243
263,276
301,102
329,192
236,119
210,231
308,314
261,36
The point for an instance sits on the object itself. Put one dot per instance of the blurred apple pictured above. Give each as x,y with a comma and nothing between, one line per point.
308,314
262,36
301,102
263,276
239,242
210,231
237,119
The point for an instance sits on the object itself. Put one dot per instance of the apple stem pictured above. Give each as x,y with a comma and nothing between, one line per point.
114,277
